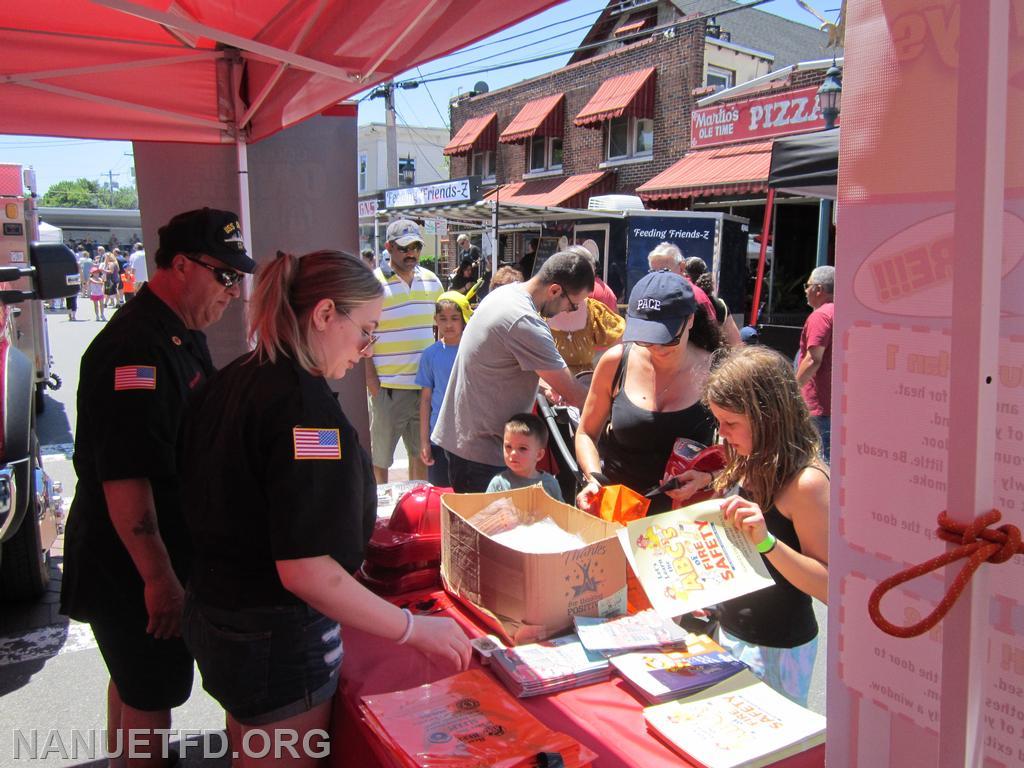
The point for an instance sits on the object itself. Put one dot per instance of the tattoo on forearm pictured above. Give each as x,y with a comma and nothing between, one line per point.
145,527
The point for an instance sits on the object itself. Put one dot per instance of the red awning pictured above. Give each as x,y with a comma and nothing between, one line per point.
631,94
544,117
477,134
560,192
208,70
732,169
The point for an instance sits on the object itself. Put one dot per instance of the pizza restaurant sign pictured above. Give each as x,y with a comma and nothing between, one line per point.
763,118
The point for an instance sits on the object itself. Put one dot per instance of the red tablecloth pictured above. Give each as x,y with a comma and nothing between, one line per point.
606,717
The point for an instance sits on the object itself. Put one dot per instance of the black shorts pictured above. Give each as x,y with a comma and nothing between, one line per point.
264,665
151,675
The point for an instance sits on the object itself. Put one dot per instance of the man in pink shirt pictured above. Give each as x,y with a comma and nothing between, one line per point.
814,363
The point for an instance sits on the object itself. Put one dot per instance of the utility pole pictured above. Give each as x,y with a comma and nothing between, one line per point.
110,177
391,135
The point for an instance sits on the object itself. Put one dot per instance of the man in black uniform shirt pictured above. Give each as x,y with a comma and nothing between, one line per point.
126,547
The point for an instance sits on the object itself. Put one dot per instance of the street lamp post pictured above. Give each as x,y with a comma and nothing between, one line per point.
829,95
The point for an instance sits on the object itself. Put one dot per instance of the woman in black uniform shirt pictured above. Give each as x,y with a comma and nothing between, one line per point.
648,392
280,502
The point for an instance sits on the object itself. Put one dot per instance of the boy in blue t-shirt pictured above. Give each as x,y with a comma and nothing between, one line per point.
523,444
451,313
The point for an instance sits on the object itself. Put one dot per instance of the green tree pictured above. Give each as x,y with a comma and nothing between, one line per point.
80,193
83,193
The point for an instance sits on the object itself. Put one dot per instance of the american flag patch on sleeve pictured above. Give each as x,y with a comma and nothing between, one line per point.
316,443
134,377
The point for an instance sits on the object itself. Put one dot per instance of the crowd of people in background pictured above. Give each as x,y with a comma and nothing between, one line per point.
108,277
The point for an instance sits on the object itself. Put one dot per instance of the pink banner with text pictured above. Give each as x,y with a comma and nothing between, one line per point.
894,454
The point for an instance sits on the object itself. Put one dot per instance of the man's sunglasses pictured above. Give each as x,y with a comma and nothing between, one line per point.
226,277
410,247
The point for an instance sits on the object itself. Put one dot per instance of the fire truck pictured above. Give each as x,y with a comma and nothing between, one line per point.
30,274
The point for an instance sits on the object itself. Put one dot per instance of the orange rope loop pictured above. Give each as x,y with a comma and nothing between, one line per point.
977,542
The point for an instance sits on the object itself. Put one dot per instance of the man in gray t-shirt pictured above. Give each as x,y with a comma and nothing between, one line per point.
506,348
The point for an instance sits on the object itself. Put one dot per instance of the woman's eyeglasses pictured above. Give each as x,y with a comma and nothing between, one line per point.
372,337
226,277
676,340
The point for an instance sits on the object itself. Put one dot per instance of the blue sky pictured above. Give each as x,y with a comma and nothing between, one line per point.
558,29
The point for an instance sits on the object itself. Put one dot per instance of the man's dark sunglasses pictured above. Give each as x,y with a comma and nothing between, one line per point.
226,277
410,247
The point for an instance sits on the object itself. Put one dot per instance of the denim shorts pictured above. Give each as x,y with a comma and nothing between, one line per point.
264,665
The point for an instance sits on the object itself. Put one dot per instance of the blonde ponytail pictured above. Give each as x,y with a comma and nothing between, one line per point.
289,287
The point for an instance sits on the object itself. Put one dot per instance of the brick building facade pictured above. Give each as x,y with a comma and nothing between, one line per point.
678,61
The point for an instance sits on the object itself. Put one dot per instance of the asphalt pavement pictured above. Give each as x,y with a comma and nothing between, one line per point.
52,677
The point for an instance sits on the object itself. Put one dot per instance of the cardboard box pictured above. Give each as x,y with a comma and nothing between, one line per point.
527,597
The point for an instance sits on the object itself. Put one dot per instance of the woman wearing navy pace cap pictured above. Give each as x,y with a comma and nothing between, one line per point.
648,393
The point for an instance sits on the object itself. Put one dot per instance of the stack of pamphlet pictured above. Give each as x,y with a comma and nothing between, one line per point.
464,721
632,632
739,723
549,666
660,676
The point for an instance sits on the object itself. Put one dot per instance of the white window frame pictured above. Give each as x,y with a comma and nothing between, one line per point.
632,134
485,169
362,169
548,163
401,178
726,74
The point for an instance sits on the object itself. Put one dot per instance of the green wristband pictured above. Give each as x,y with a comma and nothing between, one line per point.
767,544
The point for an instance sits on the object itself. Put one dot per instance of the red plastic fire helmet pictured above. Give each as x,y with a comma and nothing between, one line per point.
419,511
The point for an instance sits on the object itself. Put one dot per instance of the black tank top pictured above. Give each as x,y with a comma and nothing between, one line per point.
780,616
638,442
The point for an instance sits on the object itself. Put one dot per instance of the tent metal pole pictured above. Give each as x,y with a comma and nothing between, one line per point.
766,227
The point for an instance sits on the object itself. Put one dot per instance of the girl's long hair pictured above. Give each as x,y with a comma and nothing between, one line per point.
289,287
759,383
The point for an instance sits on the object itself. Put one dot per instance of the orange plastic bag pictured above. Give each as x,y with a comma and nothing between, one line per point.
619,504
465,721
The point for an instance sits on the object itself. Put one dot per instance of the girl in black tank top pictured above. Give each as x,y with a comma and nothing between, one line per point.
782,508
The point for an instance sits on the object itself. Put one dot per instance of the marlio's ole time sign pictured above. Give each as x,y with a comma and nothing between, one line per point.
762,118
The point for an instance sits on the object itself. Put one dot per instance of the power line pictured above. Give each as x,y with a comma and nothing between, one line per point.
444,120
422,154
625,38
620,6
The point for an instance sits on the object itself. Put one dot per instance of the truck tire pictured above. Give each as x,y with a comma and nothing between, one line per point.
24,567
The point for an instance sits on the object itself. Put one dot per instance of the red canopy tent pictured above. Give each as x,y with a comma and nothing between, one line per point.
216,71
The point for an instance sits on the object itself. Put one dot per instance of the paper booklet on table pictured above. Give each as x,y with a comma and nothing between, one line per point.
620,634
739,723
689,558
549,666
664,675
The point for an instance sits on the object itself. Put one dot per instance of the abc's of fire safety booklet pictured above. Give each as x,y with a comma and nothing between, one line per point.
690,558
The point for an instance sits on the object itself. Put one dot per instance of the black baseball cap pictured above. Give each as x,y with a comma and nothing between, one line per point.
207,230
658,305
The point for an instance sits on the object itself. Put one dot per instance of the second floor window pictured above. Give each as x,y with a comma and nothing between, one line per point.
719,77
362,172
545,153
629,137
482,164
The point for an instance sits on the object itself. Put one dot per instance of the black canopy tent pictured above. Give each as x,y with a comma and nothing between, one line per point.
806,164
